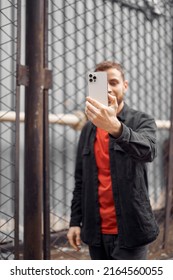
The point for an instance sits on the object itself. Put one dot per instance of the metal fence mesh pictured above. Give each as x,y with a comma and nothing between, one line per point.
8,26
81,33
138,34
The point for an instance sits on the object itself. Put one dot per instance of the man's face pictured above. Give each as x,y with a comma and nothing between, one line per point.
116,85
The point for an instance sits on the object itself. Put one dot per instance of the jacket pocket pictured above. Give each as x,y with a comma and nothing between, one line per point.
86,162
127,166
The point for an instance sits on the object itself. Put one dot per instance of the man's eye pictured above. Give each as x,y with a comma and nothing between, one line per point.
113,83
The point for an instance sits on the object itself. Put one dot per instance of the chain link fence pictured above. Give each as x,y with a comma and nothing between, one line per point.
8,31
138,34
81,33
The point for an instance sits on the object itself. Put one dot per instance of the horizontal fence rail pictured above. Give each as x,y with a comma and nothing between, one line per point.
76,35
76,120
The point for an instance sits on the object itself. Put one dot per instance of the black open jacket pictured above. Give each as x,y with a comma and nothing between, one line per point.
128,157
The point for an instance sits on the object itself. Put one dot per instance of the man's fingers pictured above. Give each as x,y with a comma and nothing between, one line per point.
78,240
90,106
72,241
90,110
94,102
112,99
74,237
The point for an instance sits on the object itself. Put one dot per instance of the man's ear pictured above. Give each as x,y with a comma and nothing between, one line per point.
125,85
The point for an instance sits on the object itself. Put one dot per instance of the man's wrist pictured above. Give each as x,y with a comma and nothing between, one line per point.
117,129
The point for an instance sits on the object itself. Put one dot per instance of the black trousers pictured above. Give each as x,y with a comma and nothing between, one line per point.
110,250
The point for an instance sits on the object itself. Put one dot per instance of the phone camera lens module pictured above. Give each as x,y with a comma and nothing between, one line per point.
90,80
90,75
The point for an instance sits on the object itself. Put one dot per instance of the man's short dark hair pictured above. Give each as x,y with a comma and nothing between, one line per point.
105,65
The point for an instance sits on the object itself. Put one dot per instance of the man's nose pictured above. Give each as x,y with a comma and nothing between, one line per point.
109,89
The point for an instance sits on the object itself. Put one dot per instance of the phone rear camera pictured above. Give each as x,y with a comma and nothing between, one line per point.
90,80
94,77
90,75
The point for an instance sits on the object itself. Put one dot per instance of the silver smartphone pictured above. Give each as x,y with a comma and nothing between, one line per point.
98,86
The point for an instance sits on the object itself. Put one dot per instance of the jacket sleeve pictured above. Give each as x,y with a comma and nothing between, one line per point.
76,205
139,142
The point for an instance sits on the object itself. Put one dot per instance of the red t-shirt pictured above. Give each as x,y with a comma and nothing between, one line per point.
106,202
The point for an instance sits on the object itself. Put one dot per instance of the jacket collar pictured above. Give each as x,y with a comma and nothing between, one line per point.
122,114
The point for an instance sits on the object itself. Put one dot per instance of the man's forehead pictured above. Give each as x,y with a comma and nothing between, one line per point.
114,74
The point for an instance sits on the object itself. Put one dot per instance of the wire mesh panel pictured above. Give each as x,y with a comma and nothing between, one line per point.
8,20
137,34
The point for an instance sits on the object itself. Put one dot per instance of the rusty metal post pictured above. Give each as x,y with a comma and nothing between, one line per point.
34,130
17,135
46,192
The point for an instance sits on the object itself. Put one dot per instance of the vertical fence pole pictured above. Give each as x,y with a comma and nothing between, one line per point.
34,130
169,189
46,192
17,135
